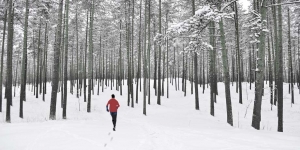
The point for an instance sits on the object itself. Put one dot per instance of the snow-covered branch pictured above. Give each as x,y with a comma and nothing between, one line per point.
194,25
286,3
226,5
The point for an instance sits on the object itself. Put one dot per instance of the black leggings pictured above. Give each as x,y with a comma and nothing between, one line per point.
114,118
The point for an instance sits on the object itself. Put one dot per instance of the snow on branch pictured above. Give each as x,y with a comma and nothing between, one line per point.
228,4
198,44
194,25
286,3
256,26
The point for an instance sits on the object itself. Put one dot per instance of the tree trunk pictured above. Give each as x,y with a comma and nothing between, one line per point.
90,69
280,71
195,68
238,53
145,62
291,82
9,60
66,46
24,64
38,62
85,55
276,51
259,72
159,58
138,76
2,57
56,57
211,68
226,74
77,61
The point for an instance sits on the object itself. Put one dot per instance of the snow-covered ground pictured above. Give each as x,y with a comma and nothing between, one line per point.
175,125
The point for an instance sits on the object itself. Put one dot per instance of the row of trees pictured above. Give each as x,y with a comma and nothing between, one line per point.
93,44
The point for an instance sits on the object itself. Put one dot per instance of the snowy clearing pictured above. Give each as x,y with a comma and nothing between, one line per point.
175,125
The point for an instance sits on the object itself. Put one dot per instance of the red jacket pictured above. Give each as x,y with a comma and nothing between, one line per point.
113,105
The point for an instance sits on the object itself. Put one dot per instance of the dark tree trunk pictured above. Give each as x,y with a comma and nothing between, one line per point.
66,46
90,70
56,57
24,64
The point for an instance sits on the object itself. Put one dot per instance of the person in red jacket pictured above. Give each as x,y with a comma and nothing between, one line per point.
113,109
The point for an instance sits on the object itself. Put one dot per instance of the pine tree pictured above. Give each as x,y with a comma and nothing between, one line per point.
55,78
9,78
24,63
2,57
90,56
66,46
260,71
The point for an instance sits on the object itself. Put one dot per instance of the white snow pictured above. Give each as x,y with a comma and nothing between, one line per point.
175,125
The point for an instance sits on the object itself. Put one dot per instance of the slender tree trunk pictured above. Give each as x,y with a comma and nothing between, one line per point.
238,53
77,61
38,67
24,64
85,55
66,46
56,57
9,78
226,74
149,48
195,68
276,51
45,62
260,72
211,69
120,60
291,82
90,69
2,56
145,61
167,56
280,71
159,58
270,72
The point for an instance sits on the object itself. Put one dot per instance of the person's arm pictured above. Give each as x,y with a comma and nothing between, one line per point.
107,106
118,105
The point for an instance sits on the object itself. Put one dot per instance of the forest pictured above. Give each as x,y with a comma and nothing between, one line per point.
83,47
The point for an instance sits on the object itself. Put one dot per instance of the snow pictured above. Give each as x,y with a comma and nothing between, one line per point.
175,125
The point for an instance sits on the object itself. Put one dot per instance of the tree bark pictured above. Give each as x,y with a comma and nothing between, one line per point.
226,74
90,69
56,57
66,46
280,71
24,63
260,71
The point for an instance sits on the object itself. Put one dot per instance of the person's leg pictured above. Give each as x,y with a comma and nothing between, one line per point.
112,116
114,119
